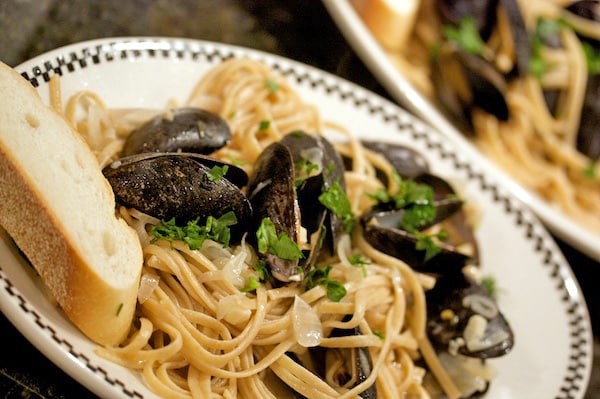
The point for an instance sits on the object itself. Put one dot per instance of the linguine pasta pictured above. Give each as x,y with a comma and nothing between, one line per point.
198,334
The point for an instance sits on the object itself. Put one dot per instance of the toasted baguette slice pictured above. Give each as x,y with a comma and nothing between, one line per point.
390,21
60,210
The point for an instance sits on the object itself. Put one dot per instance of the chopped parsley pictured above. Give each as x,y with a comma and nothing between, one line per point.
217,172
319,276
426,242
280,245
544,30
335,200
379,335
358,261
489,284
272,86
119,308
414,198
252,284
306,167
262,272
465,35
193,234
590,171
592,56
264,125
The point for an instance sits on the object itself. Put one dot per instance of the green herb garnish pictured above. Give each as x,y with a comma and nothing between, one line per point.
264,125
335,200
489,284
590,171
262,271
544,30
193,234
465,35
415,198
319,276
358,261
426,242
251,285
280,245
592,56
216,173
119,308
379,335
272,86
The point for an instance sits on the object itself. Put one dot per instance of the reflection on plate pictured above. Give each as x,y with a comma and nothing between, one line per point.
405,93
553,352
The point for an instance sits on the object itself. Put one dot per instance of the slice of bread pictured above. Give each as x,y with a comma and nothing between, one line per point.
60,210
390,21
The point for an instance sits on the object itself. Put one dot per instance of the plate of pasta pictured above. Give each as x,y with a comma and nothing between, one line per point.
512,82
409,274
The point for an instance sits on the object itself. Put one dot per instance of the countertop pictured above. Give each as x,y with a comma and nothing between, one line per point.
301,30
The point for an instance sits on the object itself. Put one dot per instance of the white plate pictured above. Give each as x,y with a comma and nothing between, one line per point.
379,63
540,296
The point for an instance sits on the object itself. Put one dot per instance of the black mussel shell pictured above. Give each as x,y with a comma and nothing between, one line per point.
407,162
174,186
179,130
271,193
451,304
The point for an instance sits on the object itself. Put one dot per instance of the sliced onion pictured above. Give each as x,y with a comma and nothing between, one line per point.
308,330
469,374
232,309
148,282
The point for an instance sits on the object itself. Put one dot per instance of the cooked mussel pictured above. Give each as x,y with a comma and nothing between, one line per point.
176,185
352,365
347,367
179,130
384,229
407,162
462,317
464,76
483,13
317,166
465,81
288,178
271,193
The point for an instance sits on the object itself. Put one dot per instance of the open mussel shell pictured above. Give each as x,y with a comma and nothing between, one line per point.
285,190
175,185
271,193
465,81
407,162
179,130
320,152
463,317
380,232
483,13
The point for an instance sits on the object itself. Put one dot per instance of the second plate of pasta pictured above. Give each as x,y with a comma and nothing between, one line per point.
509,90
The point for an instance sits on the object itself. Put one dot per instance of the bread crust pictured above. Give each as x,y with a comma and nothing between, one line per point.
102,309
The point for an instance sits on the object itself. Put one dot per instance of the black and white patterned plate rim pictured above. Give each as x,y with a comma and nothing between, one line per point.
82,56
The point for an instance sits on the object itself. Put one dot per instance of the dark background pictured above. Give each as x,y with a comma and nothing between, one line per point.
301,30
